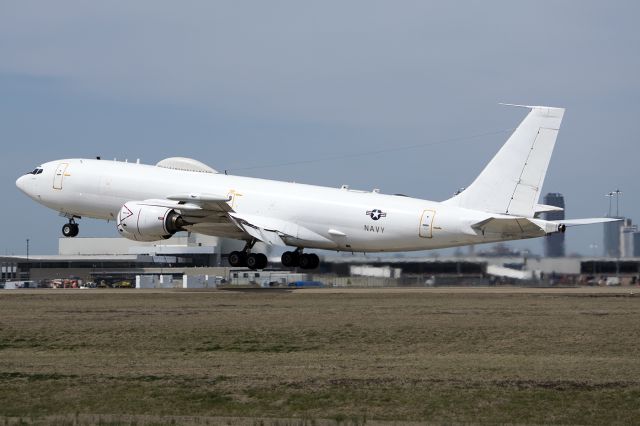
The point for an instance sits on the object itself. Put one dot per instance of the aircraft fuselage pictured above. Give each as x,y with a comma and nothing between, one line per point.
339,219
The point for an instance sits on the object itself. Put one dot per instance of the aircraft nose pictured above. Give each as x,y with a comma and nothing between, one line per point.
22,183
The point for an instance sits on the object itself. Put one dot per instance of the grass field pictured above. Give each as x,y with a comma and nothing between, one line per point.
320,357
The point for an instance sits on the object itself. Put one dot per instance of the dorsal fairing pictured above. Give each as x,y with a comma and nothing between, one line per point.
185,164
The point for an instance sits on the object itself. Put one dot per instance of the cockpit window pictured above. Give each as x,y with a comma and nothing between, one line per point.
36,171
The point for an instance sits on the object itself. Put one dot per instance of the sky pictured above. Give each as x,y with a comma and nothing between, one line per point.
246,86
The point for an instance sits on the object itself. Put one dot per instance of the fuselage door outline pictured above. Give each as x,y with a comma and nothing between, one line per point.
59,175
426,223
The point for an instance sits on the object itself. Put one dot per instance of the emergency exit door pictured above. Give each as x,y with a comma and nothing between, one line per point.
59,175
426,223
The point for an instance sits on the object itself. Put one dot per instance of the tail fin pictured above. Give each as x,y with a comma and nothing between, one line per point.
511,182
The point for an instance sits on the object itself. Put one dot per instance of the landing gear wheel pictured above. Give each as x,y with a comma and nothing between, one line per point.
70,229
315,261
262,260
237,258
290,259
309,261
252,261
257,261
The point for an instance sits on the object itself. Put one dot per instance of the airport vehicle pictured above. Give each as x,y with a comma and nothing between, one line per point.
153,202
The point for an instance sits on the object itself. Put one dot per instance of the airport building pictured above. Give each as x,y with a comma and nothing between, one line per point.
198,260
113,259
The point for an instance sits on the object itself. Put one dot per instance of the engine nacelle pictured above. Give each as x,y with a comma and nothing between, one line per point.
142,222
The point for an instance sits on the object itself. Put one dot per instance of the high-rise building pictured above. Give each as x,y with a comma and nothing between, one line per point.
612,230
554,243
627,231
636,244
612,238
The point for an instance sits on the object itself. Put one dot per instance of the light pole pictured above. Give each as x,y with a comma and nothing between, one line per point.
27,250
610,195
618,194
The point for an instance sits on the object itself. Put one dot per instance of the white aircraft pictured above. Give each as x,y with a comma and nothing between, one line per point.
150,203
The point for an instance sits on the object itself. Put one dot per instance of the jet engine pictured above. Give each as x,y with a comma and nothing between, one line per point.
142,222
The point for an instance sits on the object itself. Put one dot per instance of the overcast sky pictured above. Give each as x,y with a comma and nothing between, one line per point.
244,84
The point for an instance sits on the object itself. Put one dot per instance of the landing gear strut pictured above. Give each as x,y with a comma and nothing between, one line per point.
70,229
291,259
244,258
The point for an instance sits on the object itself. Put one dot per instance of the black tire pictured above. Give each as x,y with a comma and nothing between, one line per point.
314,261
67,230
290,259
237,259
262,260
309,261
305,261
252,261
75,229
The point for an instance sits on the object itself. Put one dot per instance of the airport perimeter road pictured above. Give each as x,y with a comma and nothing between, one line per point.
444,355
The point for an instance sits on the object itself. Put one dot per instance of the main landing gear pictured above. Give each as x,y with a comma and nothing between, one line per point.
295,258
70,229
244,258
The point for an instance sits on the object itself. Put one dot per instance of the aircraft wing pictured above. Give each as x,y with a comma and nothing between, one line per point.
276,231
203,201
212,215
261,230
206,214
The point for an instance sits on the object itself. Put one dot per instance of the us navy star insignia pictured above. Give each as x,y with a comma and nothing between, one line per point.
376,214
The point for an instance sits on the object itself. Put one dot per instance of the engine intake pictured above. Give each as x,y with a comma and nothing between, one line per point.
142,222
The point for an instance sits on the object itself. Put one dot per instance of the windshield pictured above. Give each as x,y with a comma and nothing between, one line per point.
36,171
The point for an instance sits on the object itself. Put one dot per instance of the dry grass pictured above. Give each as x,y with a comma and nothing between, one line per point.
356,357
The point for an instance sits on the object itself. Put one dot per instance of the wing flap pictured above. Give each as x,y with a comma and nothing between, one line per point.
277,231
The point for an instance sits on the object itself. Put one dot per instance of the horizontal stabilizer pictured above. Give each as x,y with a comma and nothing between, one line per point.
589,221
543,208
508,227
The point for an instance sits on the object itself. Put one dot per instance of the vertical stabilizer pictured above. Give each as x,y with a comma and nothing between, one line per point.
511,182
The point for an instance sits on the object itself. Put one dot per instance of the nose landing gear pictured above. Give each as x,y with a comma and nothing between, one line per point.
70,229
